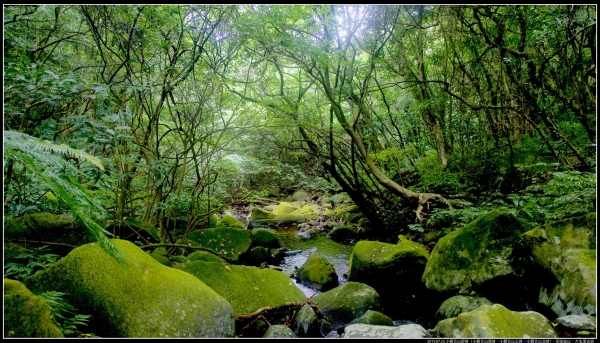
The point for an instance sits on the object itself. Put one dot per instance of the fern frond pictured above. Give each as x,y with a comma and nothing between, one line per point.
33,145
37,156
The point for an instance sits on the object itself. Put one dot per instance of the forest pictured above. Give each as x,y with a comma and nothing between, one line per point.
424,117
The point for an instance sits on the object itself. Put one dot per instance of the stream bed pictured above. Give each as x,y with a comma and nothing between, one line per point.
337,254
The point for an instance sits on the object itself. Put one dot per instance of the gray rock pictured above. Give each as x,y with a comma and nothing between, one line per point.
578,322
456,305
380,331
279,331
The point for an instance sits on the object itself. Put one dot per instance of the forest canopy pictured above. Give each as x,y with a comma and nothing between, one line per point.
423,116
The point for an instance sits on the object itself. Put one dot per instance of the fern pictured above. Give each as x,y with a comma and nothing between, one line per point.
44,159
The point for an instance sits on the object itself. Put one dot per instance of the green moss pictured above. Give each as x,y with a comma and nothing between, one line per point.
138,297
162,259
475,253
347,302
246,288
285,208
377,263
456,305
230,242
318,273
229,221
25,314
213,220
267,238
205,256
304,210
496,321
279,331
48,227
373,318
259,214
147,230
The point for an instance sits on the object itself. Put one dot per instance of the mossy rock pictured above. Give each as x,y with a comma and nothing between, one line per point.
548,241
576,291
229,242
380,265
496,321
285,208
267,238
343,234
458,304
565,250
137,296
246,288
213,221
306,209
300,195
347,302
148,231
434,236
257,256
373,318
406,331
229,221
306,323
13,249
279,331
205,256
329,213
318,273
260,214
162,259
483,250
160,251
25,314
48,227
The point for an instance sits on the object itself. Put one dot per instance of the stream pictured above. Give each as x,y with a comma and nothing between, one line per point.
337,254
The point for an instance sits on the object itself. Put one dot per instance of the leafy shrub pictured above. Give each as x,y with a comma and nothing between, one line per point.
64,315
29,263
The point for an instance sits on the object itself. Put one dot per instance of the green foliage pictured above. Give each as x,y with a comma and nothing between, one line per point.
64,314
52,171
29,263
432,178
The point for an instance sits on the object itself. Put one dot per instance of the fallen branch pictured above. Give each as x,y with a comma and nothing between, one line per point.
40,242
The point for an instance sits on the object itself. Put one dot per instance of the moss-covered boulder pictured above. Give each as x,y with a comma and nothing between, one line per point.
344,234
306,323
318,273
257,257
200,255
458,304
246,288
267,238
133,229
137,296
229,221
347,302
279,331
285,208
407,331
162,259
258,214
381,265
48,227
373,318
306,209
495,321
565,253
25,314
576,292
230,242
469,258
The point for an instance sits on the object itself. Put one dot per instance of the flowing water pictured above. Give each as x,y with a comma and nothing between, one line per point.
337,254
